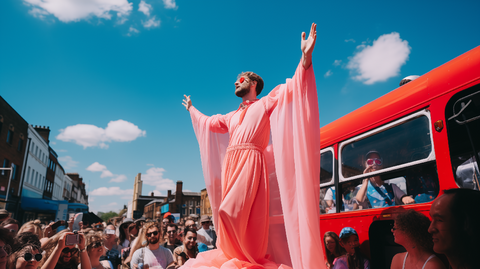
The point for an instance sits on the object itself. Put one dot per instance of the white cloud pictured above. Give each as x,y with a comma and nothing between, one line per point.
132,31
91,199
151,23
104,191
169,4
119,178
144,8
350,40
97,167
154,177
337,62
88,135
75,10
157,193
329,73
380,61
67,162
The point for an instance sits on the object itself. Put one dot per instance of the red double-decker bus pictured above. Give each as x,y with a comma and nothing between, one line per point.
425,134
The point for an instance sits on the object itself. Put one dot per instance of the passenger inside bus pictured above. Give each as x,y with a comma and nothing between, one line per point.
375,191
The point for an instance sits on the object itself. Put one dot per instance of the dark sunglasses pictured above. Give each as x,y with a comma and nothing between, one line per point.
29,256
97,244
72,250
152,234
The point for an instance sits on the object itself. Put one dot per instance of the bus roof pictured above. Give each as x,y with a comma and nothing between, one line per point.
410,97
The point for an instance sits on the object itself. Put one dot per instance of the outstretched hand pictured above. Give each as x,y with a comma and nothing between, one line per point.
187,103
307,46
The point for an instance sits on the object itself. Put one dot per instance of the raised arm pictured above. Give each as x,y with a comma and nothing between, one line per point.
307,46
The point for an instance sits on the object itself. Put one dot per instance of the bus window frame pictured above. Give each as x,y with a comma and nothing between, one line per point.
430,157
332,181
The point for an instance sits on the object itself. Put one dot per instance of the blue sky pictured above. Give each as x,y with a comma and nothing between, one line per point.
108,76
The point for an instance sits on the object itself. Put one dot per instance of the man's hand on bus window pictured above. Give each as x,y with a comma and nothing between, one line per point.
408,200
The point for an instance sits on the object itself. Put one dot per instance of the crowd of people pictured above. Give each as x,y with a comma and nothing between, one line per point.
452,233
120,243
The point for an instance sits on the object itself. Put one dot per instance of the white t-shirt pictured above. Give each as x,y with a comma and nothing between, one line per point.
159,258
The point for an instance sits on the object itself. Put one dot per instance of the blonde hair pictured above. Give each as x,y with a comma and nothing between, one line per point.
33,224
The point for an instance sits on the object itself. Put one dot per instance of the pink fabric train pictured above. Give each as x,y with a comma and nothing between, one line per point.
264,197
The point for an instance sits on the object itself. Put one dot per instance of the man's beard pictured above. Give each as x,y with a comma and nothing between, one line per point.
153,240
242,91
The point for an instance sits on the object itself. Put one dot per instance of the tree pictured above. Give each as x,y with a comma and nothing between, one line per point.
109,215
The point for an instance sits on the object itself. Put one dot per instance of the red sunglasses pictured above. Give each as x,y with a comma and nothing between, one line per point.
374,161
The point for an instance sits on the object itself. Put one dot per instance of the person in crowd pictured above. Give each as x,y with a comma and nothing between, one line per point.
153,255
205,231
112,249
454,227
333,249
95,250
6,241
98,227
411,231
32,226
62,256
167,219
201,240
4,215
189,248
171,242
124,237
375,191
26,252
353,259
12,225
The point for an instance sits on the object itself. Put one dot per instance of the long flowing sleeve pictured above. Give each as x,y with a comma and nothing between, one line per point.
295,130
212,135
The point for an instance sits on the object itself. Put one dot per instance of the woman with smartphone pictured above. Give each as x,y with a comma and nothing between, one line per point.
66,250
113,250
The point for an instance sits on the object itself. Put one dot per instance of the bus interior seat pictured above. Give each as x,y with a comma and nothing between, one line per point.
382,244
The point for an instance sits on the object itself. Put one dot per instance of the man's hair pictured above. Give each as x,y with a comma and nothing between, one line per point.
465,225
254,77
10,221
173,225
151,225
188,229
415,226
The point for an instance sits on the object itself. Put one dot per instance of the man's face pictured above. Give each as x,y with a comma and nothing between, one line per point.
152,238
171,232
374,161
206,225
190,224
165,222
441,227
190,240
243,85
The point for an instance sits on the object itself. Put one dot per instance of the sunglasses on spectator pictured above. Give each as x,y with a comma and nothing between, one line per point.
374,161
152,234
29,256
171,232
72,250
97,244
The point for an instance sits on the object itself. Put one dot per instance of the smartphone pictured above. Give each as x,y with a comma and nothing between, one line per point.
109,231
71,239
76,222
58,224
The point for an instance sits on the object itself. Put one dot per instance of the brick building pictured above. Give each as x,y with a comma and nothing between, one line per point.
13,143
185,203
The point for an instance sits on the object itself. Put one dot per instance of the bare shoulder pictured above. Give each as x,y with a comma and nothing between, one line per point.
435,263
397,261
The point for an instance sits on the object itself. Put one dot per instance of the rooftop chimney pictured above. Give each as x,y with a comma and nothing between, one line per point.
44,132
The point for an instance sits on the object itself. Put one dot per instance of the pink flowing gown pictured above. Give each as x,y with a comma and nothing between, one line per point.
265,198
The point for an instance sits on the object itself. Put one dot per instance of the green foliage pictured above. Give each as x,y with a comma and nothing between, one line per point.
108,215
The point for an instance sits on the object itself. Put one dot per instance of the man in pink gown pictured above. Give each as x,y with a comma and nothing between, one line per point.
258,227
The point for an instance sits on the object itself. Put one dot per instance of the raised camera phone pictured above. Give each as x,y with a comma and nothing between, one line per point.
71,239
109,231
58,224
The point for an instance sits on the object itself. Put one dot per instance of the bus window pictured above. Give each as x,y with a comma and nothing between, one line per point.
326,166
463,129
420,183
406,143
327,200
